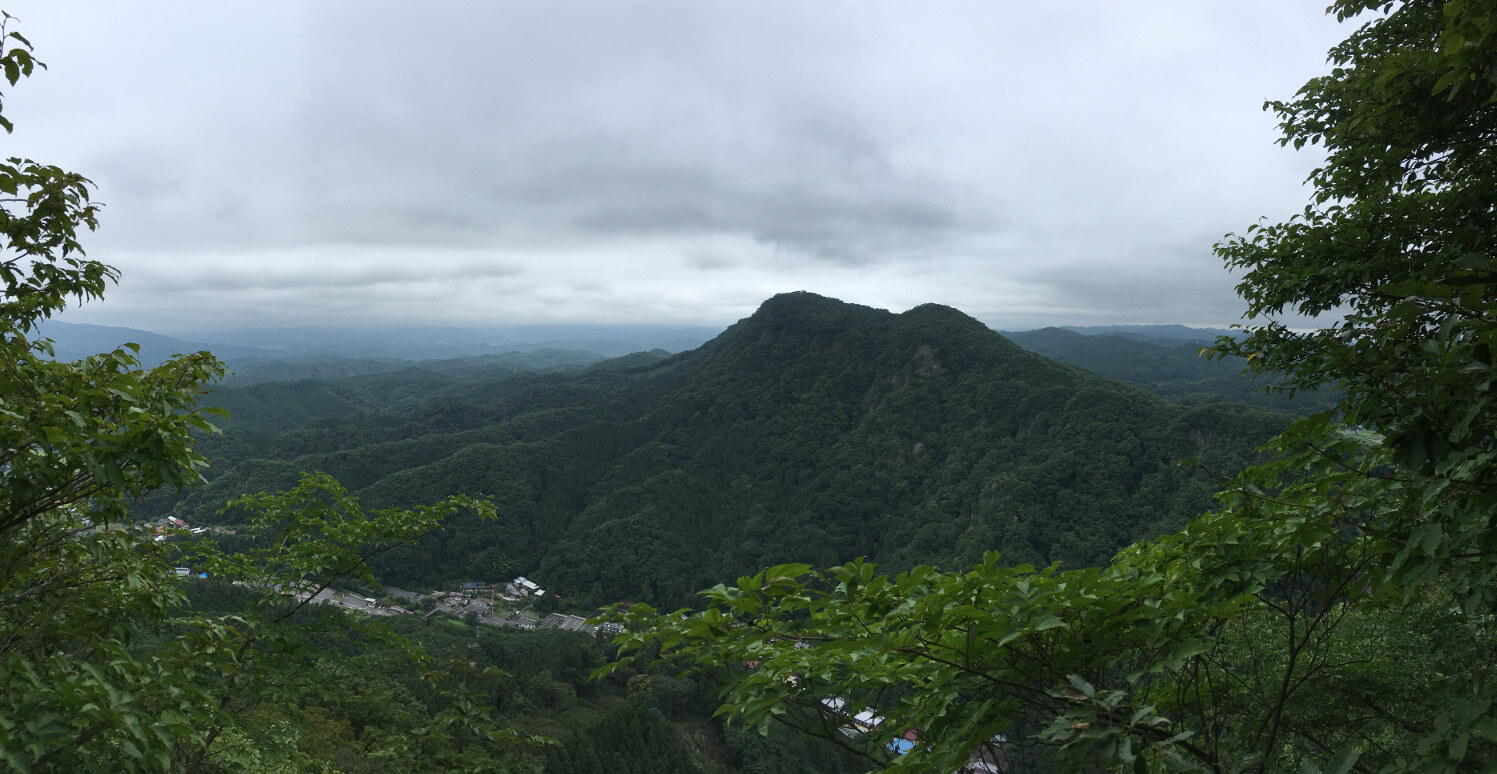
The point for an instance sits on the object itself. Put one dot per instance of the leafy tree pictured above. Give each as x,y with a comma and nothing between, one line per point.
78,441
270,644
1400,238
1336,613
103,666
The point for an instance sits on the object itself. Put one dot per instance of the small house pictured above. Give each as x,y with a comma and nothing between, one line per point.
522,586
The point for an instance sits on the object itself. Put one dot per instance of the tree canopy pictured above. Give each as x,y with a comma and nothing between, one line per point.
1335,614
104,664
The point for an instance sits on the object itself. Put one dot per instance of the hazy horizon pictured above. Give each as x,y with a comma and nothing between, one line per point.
561,329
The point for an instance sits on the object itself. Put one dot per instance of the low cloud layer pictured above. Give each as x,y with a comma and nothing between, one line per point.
370,163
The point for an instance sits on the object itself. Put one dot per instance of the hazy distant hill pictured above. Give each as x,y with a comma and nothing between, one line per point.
331,354
812,431
539,361
431,342
75,341
1154,333
1168,364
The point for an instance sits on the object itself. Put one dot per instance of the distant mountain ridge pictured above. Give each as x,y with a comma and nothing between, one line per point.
813,430
1169,363
540,361
438,342
1154,333
74,341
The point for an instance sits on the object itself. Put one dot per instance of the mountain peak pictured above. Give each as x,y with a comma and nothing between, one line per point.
806,334
946,320
809,312
804,308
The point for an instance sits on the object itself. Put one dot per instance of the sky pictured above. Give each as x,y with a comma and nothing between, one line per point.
364,163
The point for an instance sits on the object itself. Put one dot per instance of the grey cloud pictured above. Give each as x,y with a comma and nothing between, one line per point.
631,126
142,174
808,217
710,260
1065,160
1181,282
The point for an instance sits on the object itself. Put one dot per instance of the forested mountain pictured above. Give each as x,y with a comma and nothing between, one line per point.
1335,614
813,431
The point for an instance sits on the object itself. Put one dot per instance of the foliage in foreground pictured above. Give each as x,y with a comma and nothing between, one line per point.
1336,613
103,665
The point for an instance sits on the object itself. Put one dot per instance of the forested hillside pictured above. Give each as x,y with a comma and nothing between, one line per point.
813,431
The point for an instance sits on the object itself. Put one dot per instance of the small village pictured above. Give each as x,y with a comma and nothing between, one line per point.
511,604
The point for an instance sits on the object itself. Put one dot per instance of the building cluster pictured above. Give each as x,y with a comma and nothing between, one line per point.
481,597
164,527
986,759
523,587
570,623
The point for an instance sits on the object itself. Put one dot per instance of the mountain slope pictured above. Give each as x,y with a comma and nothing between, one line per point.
817,431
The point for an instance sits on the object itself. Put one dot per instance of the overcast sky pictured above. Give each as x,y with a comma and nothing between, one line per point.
352,163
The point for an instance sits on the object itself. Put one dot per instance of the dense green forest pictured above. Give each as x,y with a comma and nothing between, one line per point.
812,431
